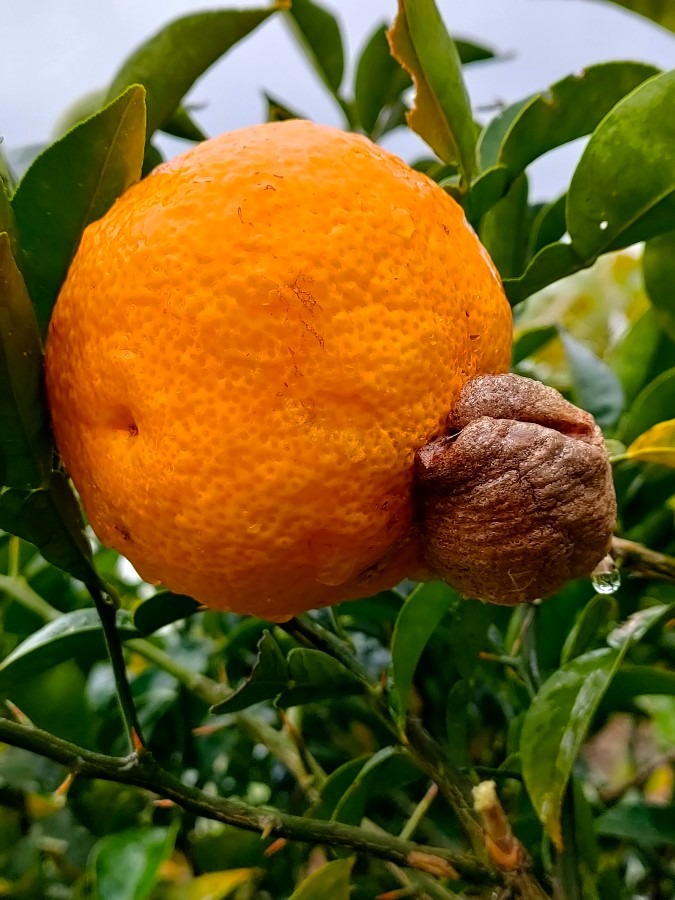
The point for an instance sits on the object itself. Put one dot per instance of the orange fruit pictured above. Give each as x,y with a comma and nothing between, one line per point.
246,354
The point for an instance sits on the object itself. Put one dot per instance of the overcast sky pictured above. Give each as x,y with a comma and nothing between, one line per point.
52,51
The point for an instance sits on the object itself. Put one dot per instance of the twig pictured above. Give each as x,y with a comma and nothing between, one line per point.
140,770
106,606
636,559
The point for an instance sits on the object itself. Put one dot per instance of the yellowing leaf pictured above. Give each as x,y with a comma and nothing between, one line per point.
656,445
213,885
441,114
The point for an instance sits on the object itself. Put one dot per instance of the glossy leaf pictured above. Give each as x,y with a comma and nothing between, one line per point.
164,608
419,617
659,11
649,826
331,880
504,230
52,520
168,63
25,445
388,768
555,726
528,341
658,266
570,109
319,34
656,445
596,387
379,81
441,113
212,885
632,146
269,677
126,865
654,404
71,184
315,676
552,263
597,613
75,635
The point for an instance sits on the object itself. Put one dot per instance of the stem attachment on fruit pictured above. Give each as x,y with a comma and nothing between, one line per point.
517,498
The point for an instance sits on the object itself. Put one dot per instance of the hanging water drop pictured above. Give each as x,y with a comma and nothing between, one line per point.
606,578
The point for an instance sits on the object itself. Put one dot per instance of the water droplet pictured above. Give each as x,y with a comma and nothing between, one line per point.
606,578
604,225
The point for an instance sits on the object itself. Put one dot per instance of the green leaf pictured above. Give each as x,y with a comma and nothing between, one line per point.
318,33
315,676
639,624
388,768
596,388
637,681
488,189
556,725
441,114
52,520
549,224
380,81
75,635
658,266
331,880
470,52
71,184
278,111
632,358
168,63
269,677
126,865
654,404
334,787
659,11
597,613
180,124
529,340
648,826
632,147
656,445
504,230
419,617
570,109
212,885
7,221
25,445
164,608
492,136
552,263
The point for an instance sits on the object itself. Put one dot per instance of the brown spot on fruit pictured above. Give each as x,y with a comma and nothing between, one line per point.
518,498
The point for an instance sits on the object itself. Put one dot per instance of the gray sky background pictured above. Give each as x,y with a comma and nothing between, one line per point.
53,51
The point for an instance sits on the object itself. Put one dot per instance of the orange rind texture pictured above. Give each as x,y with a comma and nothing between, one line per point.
246,354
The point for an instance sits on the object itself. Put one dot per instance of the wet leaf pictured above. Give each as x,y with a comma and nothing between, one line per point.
331,880
75,635
269,677
25,444
632,146
162,609
315,676
658,266
319,34
126,865
441,114
168,63
419,617
555,726
71,184
596,387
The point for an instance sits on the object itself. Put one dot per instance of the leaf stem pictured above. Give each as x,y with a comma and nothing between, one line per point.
140,770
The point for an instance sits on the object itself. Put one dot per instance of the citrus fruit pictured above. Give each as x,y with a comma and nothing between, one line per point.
247,352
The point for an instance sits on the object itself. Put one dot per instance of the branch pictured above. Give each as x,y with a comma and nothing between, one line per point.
640,560
140,770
